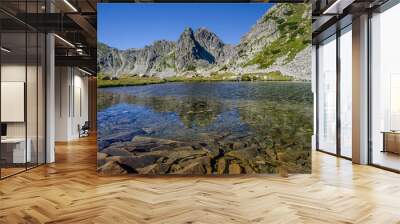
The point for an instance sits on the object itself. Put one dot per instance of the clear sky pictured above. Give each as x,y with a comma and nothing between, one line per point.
124,25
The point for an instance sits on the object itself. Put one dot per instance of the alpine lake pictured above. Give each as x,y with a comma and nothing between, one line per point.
200,128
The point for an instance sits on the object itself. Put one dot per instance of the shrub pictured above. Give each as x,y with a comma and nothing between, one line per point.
278,76
249,77
191,68
246,77
275,51
280,20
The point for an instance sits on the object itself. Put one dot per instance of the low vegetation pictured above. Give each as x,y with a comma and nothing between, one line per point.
106,81
277,76
135,80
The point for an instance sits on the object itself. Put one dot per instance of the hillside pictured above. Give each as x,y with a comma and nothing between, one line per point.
279,43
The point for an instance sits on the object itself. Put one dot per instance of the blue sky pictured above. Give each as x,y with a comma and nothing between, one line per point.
136,25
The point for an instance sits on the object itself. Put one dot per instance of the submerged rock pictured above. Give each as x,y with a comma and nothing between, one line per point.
200,165
151,169
224,155
195,168
221,166
148,144
141,161
101,159
146,140
120,136
116,151
111,168
101,156
234,168
249,153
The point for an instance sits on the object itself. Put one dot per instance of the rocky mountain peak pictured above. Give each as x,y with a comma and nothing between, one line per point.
207,38
187,32
279,41
186,50
204,33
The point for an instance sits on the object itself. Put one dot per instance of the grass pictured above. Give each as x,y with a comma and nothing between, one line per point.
127,81
133,80
277,76
270,76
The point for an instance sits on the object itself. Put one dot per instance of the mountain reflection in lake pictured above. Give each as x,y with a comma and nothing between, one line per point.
205,128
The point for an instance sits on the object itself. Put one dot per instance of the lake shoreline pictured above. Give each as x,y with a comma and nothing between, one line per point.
106,80
145,82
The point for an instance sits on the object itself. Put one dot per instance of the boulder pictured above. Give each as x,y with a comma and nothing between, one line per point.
111,168
161,148
148,144
234,168
196,168
148,130
140,161
283,171
175,168
248,169
101,159
221,166
101,156
211,148
246,154
151,169
113,158
177,154
143,140
123,145
116,151
120,136
238,145
203,160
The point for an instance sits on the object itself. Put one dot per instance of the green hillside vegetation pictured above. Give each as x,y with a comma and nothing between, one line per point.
126,80
104,80
295,35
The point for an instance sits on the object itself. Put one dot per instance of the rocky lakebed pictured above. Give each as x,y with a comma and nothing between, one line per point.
223,154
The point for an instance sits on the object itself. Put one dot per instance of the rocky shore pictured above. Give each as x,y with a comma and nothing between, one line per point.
223,154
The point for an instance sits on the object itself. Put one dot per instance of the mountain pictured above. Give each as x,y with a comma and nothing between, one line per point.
279,41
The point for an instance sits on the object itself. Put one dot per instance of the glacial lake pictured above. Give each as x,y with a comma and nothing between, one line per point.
206,128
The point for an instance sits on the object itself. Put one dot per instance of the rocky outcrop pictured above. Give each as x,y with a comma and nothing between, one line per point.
220,52
202,52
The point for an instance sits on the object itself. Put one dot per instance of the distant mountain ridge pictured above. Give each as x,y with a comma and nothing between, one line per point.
279,41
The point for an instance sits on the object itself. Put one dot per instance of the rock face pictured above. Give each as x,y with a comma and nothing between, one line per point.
279,41
148,60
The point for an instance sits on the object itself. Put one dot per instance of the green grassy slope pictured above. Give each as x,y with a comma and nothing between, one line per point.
294,36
